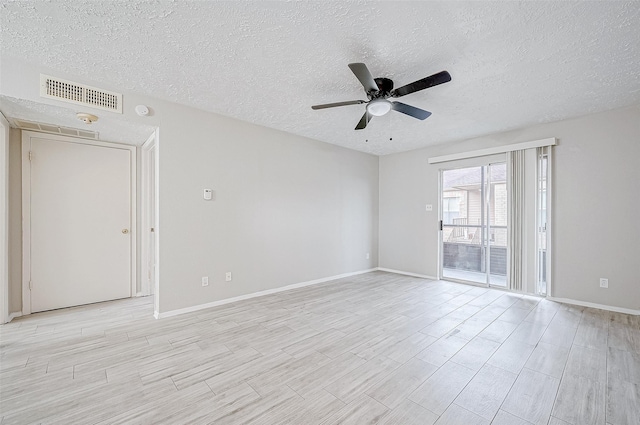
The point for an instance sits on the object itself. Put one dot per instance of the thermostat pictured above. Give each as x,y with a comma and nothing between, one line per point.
208,194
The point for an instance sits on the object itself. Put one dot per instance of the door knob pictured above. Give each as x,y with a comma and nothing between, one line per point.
125,231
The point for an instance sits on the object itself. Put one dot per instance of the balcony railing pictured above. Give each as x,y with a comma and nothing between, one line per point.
464,248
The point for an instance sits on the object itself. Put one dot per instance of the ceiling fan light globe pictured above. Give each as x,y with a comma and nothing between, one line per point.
379,107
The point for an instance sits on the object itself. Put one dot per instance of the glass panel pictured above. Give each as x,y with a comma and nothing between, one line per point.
462,214
541,218
497,224
474,231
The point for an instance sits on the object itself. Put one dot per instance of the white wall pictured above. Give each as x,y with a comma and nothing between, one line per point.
596,204
287,209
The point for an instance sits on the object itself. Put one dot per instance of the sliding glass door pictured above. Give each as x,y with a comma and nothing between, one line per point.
543,265
474,224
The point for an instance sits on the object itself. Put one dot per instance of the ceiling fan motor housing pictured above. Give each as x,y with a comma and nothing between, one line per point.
385,85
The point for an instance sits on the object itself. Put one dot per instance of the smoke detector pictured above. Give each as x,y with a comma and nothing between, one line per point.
86,118
142,110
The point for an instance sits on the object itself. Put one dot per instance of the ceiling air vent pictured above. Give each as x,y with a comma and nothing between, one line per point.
55,129
80,94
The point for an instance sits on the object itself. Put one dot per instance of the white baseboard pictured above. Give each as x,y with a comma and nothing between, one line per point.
594,305
13,316
158,315
560,300
424,276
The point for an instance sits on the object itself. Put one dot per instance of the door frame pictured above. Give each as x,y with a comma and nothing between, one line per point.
26,206
441,172
4,220
439,274
148,187
548,151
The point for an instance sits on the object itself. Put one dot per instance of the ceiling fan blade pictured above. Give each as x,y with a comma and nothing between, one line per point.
333,105
412,111
364,121
362,73
425,83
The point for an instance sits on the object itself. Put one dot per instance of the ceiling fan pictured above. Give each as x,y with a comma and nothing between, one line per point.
378,90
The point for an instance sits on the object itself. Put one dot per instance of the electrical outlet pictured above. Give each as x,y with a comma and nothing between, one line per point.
604,283
367,255
429,207
228,277
205,280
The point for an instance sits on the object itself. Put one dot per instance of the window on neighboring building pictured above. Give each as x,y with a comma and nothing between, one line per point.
450,209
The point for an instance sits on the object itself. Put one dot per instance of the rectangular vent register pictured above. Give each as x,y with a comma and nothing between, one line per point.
80,94
54,129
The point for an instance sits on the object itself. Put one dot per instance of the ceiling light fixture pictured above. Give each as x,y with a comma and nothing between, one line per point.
378,107
86,118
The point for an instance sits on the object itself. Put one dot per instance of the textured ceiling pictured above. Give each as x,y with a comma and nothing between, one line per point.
513,64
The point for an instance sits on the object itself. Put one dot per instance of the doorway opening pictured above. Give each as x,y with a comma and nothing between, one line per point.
474,224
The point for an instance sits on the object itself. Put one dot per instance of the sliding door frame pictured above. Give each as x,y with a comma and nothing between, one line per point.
485,215
548,151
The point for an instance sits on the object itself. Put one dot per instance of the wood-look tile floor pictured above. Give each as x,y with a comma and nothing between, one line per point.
376,348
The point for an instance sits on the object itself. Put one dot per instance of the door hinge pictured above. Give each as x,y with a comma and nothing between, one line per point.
30,286
440,224
30,155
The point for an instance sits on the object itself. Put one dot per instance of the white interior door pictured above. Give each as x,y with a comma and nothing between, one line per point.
80,223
